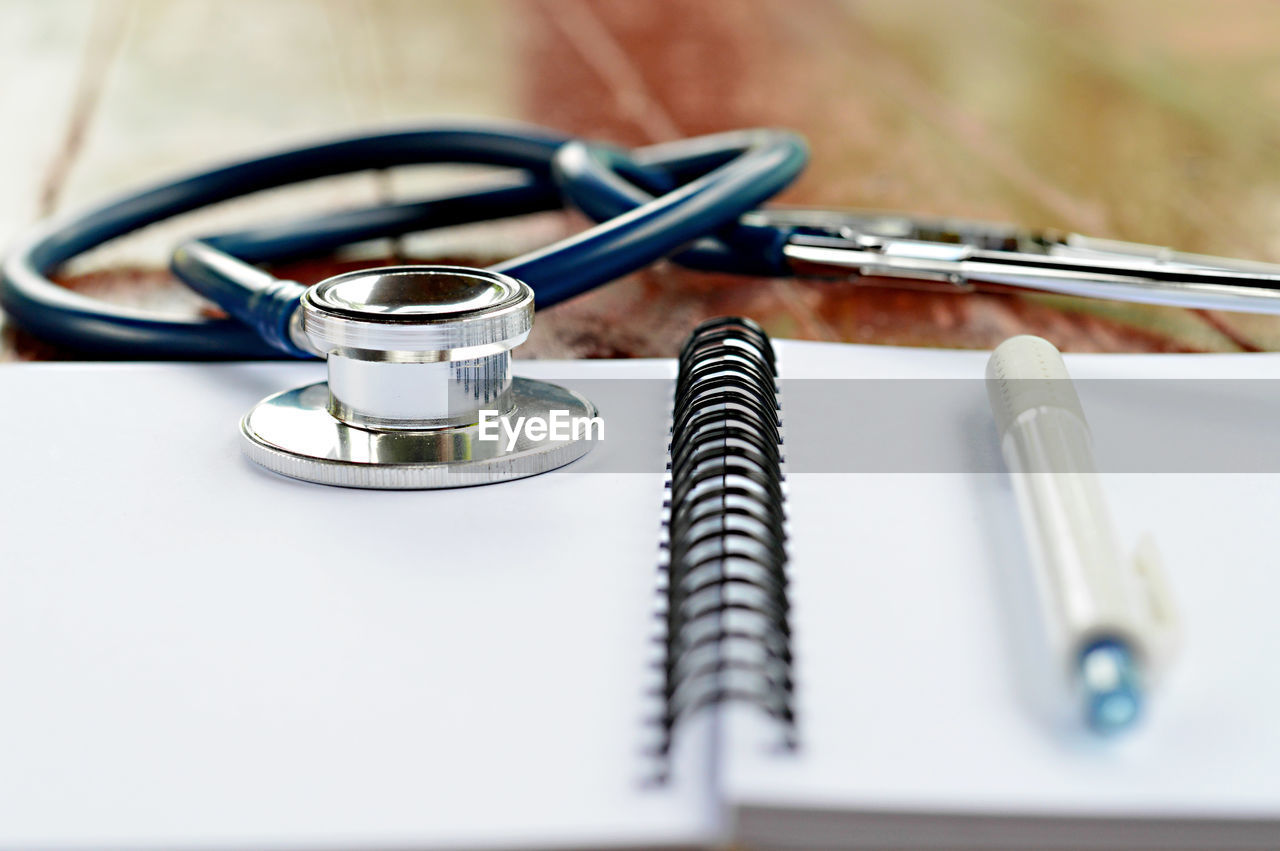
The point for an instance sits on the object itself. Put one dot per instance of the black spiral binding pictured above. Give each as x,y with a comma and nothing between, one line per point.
725,608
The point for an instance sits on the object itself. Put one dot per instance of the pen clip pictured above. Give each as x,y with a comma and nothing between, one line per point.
1158,620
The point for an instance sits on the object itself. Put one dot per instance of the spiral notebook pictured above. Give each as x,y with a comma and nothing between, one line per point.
775,613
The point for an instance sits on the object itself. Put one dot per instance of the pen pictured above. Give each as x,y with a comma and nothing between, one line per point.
1109,618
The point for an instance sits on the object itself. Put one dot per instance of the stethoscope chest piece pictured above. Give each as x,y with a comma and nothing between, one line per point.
419,391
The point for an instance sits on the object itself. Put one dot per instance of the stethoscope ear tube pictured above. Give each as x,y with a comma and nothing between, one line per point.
711,183
60,316
726,171
223,270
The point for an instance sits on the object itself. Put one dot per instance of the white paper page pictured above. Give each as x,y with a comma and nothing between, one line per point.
195,652
921,680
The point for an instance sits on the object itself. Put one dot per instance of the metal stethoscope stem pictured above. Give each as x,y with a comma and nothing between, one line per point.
417,347
961,254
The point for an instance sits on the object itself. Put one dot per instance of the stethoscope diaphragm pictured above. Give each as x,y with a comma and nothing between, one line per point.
418,384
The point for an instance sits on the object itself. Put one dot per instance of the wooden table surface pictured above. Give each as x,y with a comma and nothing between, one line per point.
1154,121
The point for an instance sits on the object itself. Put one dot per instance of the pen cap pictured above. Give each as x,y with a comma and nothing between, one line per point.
1026,373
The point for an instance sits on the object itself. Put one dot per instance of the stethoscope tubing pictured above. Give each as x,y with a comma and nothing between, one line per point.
650,203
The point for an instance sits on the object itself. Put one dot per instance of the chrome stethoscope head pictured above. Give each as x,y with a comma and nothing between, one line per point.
418,357
960,254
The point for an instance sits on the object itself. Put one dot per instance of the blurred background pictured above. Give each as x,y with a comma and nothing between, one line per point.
1153,121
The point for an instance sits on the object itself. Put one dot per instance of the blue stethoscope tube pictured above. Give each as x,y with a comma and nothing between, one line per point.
683,197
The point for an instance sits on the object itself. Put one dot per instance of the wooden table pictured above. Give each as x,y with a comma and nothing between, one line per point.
1154,121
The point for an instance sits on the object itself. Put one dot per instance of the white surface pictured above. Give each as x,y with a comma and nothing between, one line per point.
197,652
922,684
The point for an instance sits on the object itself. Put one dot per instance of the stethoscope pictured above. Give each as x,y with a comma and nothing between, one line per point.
415,353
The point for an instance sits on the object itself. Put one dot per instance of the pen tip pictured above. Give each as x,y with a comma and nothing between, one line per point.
1112,687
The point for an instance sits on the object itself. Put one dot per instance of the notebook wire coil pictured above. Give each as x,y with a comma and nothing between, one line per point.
724,599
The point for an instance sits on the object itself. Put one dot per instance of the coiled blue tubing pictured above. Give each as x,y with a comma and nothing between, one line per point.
680,199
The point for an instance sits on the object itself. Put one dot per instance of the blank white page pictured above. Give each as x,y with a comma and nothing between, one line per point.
921,681
198,653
